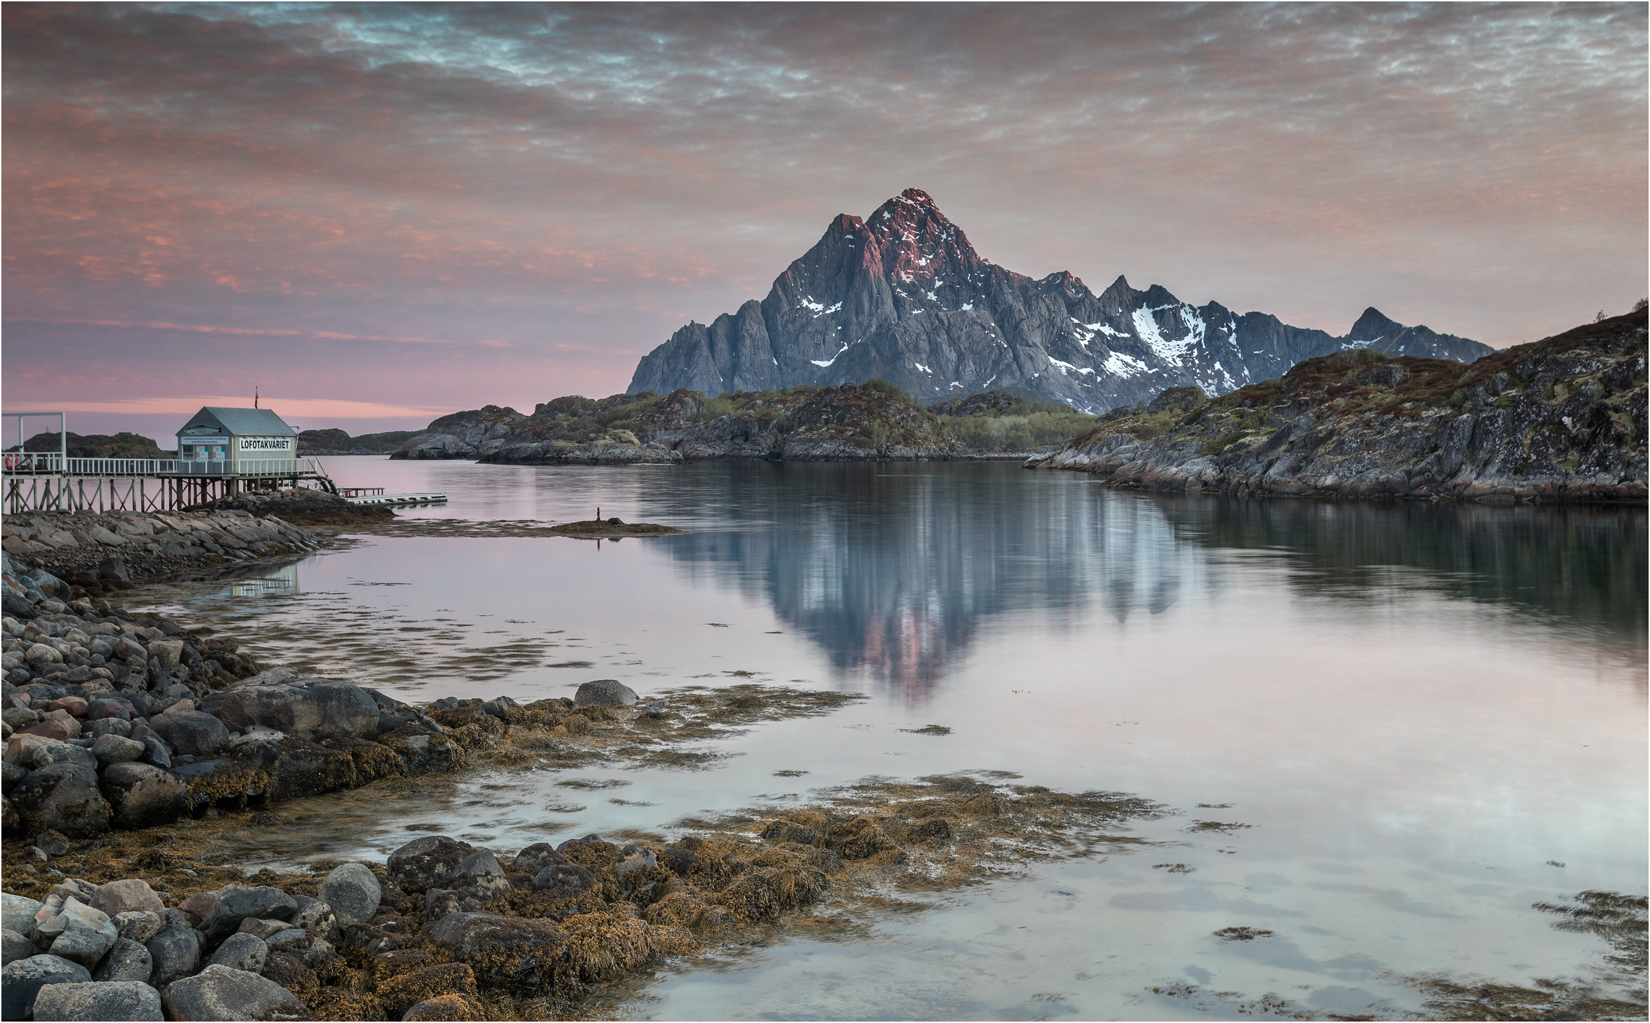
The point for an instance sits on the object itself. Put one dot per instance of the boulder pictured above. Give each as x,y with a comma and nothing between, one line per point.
563,880
128,960
263,929
156,752
129,896
20,748
143,795
167,651
604,692
479,875
353,893
17,912
140,926
199,907
111,748
12,774
315,916
310,708
64,753
221,993
77,932
536,857
237,902
241,951
52,843
110,1000
65,796
21,981
468,935
423,861
176,952
14,946
191,732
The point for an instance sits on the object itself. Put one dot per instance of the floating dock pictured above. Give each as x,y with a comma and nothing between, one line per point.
376,496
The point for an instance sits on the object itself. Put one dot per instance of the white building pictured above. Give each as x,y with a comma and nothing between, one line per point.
237,440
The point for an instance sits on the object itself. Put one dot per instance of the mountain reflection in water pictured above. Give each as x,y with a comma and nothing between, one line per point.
893,570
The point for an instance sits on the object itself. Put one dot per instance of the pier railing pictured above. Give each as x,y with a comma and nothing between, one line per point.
50,481
52,463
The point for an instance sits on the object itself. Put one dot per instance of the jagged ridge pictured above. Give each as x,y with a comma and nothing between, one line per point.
904,297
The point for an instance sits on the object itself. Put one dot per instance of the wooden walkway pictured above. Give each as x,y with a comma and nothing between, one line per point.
48,481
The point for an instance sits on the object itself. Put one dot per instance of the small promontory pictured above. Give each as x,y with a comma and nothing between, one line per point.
1562,419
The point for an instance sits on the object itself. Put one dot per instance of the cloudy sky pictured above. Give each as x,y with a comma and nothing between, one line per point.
377,214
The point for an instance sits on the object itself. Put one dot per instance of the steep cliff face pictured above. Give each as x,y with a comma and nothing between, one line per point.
1558,420
903,296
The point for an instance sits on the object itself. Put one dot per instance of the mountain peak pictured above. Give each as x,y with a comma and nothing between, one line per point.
902,296
1372,326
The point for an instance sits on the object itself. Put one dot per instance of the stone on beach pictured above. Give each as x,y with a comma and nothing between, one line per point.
237,902
604,692
132,895
190,732
176,952
109,1000
128,960
222,993
17,912
241,951
21,982
14,946
139,926
143,795
424,860
65,796
308,707
353,893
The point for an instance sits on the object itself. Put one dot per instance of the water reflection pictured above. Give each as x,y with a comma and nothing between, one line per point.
281,581
1578,565
894,570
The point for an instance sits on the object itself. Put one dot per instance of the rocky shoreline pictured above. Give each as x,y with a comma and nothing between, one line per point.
117,774
108,550
1558,420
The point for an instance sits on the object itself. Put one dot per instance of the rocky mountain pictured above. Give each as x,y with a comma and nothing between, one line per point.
1561,419
903,296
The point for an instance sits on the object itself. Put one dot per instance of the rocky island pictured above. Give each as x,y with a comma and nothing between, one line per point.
1562,419
846,422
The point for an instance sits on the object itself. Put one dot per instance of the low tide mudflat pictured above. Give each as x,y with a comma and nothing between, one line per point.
1379,751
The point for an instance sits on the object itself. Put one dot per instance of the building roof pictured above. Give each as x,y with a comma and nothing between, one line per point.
237,422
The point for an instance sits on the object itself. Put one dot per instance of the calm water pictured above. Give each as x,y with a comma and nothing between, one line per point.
1429,717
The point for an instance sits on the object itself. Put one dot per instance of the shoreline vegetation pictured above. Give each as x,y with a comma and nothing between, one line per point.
146,760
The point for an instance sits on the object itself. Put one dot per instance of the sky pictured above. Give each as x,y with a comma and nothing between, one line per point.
376,214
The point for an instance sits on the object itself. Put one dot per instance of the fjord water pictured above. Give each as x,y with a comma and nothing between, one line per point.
1413,721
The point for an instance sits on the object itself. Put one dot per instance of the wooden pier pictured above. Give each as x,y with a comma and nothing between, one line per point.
50,481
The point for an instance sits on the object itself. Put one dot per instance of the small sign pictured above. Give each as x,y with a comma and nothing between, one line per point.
264,443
